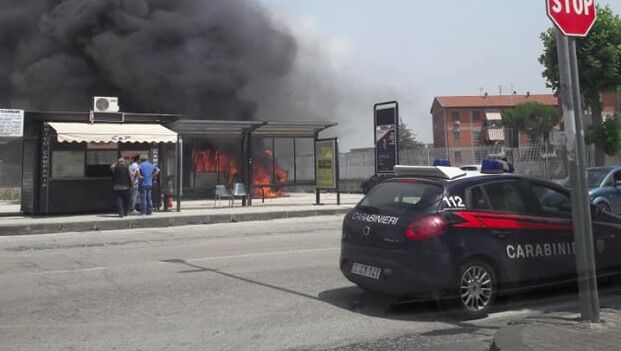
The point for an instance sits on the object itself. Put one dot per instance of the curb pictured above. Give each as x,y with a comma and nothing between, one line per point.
158,222
509,338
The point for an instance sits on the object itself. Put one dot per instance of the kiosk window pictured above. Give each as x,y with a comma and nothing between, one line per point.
99,158
67,164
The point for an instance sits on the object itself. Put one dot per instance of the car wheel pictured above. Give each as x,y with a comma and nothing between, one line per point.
604,207
476,289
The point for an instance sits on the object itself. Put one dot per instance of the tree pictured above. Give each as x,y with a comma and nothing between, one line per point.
407,138
535,119
606,136
599,62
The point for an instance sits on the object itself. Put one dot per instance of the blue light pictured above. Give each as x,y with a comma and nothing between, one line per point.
492,166
441,162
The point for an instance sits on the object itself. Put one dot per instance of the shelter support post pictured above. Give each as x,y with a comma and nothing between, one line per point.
295,157
317,192
248,163
244,166
178,171
338,173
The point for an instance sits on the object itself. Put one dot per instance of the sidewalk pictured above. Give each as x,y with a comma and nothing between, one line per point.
192,213
9,207
561,331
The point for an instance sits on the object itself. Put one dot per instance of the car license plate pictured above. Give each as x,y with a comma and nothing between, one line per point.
366,270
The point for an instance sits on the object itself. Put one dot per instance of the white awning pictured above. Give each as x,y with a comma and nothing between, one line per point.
493,116
495,134
112,133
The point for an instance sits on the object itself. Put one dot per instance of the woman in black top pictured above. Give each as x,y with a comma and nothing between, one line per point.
122,183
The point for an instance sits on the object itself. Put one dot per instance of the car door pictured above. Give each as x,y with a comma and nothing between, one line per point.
614,193
552,239
501,207
555,207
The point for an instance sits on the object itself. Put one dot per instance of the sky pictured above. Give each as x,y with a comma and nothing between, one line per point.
413,50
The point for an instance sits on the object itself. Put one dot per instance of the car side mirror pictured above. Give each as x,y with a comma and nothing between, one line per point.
564,207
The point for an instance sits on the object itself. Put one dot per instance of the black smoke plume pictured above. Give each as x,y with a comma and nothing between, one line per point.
168,56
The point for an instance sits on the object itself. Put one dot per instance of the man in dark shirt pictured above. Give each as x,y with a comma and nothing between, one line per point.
122,183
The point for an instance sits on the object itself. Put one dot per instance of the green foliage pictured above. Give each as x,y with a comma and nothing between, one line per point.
599,57
599,63
407,138
535,119
607,135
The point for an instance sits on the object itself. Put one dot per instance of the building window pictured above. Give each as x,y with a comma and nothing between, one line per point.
455,116
477,135
458,157
476,116
456,135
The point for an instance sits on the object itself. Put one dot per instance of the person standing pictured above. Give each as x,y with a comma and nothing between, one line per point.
122,183
147,172
134,170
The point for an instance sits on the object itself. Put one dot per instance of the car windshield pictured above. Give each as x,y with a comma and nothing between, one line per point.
595,176
398,197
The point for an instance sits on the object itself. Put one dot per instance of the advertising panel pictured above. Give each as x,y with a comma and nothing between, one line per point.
325,163
386,137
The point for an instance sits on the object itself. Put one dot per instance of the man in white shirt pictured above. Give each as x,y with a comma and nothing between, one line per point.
134,171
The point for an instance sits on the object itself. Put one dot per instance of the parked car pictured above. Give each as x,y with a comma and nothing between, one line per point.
604,188
444,233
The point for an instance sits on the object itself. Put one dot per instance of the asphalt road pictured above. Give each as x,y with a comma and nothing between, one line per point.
271,285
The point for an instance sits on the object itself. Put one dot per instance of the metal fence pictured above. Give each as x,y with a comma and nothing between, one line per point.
537,160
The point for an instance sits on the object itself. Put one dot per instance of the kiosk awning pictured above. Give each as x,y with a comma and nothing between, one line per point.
112,133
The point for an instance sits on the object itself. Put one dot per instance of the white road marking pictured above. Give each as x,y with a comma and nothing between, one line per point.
259,254
69,271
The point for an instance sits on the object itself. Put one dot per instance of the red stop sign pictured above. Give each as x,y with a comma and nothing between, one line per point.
573,17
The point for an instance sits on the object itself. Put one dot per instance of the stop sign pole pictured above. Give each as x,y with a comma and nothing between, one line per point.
574,18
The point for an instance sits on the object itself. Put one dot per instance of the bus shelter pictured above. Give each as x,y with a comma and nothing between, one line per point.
264,156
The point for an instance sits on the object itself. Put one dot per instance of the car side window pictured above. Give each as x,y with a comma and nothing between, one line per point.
507,196
552,202
477,199
616,178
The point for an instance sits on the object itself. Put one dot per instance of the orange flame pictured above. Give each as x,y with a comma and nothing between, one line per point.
263,182
209,161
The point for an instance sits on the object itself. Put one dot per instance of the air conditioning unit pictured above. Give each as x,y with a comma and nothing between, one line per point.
105,104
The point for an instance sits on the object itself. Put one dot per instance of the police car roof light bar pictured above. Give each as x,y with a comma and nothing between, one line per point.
429,172
442,162
492,167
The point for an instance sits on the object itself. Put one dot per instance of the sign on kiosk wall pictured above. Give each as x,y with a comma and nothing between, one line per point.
386,122
325,163
11,123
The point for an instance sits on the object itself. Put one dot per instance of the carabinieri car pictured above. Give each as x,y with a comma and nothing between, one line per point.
439,232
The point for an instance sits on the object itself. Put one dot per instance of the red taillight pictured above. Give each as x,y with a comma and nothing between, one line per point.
426,227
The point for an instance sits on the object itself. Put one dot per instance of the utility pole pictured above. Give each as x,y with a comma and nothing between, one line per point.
580,204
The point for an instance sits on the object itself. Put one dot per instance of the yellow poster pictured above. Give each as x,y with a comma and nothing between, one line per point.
325,164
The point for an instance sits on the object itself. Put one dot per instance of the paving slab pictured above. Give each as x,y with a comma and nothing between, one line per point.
561,331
